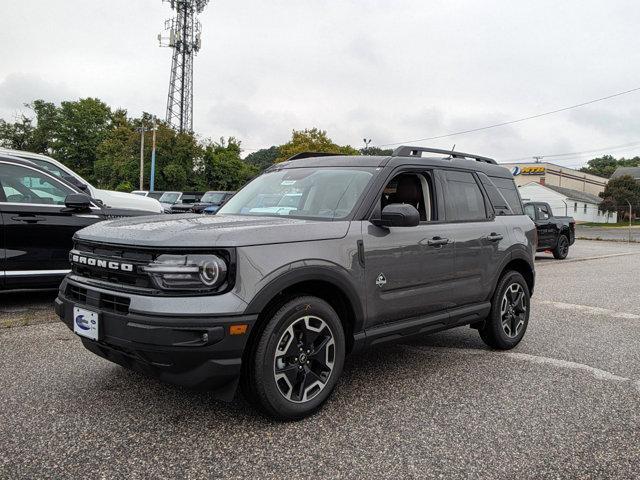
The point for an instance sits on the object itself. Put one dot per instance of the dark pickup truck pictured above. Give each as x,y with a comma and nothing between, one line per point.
555,234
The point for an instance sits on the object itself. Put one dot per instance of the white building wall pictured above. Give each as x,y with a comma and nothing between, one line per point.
563,206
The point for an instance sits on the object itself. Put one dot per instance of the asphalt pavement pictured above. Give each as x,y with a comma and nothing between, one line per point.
563,404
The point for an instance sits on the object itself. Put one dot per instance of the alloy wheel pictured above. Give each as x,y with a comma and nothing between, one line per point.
513,310
304,359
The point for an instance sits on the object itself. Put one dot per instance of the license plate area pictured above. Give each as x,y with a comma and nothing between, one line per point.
86,323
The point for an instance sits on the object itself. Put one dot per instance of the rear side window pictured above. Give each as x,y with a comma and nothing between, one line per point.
464,200
500,204
507,187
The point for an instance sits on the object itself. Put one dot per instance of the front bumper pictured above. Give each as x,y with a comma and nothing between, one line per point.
192,351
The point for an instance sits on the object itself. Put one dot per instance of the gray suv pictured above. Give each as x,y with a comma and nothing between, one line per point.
369,250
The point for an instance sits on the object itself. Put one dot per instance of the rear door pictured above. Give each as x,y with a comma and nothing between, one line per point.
480,237
408,270
547,231
37,227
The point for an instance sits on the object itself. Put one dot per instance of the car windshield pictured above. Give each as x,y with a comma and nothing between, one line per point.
327,193
212,197
169,197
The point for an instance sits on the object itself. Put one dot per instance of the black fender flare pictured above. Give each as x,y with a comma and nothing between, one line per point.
338,278
516,253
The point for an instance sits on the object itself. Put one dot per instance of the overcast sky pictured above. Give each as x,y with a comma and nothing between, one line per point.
391,70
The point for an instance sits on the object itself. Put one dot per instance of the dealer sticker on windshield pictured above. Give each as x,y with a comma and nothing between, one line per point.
85,323
288,182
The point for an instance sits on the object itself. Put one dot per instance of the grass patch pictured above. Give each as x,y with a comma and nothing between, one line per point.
635,223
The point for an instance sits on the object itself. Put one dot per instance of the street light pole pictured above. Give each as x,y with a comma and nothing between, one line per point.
142,156
366,145
152,180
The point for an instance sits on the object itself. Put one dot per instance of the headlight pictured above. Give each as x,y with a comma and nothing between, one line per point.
187,272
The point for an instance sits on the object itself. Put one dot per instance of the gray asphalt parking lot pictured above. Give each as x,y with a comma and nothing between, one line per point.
563,404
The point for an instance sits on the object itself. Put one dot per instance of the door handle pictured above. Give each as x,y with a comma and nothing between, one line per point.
437,242
28,218
495,237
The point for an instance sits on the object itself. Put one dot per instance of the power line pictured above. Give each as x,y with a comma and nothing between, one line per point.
511,122
577,154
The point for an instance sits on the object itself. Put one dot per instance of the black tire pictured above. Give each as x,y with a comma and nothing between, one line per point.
562,248
288,373
502,329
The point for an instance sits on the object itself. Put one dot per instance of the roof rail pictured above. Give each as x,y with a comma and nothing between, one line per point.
406,151
301,155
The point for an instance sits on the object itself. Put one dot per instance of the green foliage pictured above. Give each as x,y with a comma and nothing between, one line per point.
264,158
223,167
618,192
312,140
376,151
605,166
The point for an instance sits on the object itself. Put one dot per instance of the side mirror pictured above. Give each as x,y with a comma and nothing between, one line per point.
77,201
398,215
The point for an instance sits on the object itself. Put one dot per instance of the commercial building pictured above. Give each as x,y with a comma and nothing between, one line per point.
549,174
582,206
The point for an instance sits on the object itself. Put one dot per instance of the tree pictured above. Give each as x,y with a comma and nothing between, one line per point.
264,158
223,167
376,151
618,192
16,135
81,126
605,166
312,140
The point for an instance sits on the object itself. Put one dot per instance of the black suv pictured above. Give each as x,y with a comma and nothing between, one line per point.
375,249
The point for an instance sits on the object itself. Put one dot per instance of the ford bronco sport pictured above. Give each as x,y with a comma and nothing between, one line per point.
376,249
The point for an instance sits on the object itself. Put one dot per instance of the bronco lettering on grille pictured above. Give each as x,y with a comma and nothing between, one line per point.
97,262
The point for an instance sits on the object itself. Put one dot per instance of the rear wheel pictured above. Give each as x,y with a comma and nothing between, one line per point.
297,359
509,316
562,249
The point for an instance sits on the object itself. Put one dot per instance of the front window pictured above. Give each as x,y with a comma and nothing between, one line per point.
24,185
213,197
169,197
325,193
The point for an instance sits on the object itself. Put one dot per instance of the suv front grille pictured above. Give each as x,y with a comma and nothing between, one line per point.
104,301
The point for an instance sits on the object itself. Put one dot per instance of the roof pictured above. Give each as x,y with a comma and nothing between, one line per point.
633,171
575,194
382,161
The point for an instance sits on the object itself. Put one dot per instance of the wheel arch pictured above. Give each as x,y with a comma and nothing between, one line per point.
520,262
322,282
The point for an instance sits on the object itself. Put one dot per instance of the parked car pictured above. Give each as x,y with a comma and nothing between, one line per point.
146,193
169,199
211,202
555,234
108,197
378,248
186,203
39,214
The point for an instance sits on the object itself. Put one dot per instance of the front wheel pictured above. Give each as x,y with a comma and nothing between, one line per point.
297,359
509,316
562,249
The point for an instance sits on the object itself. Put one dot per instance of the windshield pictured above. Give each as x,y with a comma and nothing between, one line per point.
212,197
169,197
328,193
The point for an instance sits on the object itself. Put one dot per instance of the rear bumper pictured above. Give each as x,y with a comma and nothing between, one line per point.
196,352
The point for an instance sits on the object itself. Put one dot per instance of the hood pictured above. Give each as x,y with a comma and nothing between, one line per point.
128,201
192,230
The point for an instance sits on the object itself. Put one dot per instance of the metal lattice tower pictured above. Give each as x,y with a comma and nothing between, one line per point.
185,40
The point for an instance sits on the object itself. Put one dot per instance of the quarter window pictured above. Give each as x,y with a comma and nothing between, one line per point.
464,200
24,185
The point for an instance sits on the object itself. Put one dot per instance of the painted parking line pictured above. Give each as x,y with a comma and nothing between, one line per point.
588,309
583,259
597,373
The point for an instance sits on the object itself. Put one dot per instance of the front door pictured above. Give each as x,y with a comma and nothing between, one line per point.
38,229
408,270
546,226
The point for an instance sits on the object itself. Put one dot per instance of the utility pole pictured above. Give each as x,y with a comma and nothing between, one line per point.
629,220
366,145
537,159
142,156
152,180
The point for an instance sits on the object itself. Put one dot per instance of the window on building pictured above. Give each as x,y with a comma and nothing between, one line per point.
585,208
575,206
